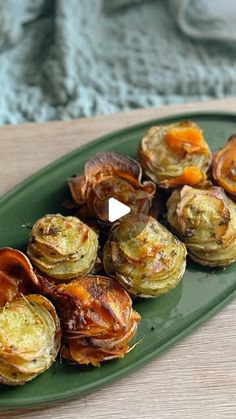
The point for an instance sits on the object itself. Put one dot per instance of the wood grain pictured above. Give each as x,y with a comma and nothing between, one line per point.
196,378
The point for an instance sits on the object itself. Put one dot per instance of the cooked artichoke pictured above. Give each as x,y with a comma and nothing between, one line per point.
144,256
224,167
29,326
29,338
111,174
96,316
206,221
63,247
176,154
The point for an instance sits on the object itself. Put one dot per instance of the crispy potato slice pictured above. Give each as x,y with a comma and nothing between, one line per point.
144,256
97,319
22,329
111,174
224,167
29,338
63,247
104,297
16,274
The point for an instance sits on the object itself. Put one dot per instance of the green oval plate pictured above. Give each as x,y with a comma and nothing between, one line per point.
164,320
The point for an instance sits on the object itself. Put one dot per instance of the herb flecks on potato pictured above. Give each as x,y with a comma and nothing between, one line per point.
63,247
206,222
174,155
16,274
30,333
29,338
144,256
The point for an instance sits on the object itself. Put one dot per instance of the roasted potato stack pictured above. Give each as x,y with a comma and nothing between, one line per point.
144,256
29,338
224,167
111,174
97,319
30,333
176,154
206,221
63,247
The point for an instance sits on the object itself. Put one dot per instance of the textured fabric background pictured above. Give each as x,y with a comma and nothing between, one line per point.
62,59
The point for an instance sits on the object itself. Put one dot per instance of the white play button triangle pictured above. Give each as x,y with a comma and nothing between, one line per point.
116,209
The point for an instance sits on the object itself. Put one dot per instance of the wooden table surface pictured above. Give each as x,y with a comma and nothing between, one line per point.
194,379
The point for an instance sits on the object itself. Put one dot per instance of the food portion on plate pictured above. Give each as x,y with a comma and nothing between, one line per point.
206,222
175,155
30,334
224,167
97,319
63,247
110,174
94,319
144,256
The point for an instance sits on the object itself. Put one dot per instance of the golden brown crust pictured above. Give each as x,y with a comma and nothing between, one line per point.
30,338
224,167
63,247
97,319
111,174
16,274
30,332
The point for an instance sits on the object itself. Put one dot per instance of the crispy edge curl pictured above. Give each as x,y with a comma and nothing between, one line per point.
59,255
224,167
16,278
96,316
16,274
100,168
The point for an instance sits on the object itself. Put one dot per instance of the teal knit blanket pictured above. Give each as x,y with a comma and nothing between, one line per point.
63,59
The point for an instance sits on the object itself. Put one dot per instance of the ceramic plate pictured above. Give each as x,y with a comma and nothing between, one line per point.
165,319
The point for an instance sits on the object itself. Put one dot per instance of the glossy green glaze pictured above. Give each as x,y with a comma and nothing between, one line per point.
164,319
